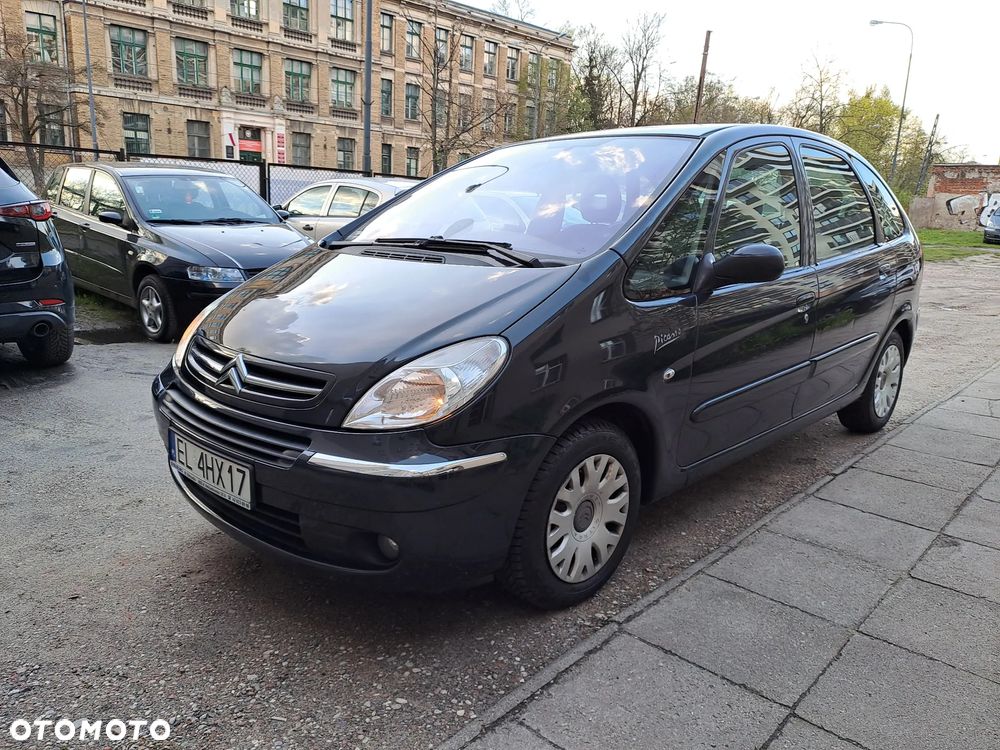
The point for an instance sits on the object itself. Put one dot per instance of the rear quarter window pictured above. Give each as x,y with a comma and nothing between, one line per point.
886,208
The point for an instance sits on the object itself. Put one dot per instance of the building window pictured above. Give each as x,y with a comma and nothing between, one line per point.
342,87
531,119
295,14
490,58
298,79
301,148
52,132
192,62
533,68
465,52
41,31
386,93
248,70
464,111
135,128
385,29
440,110
412,161
412,104
512,60
386,158
342,14
550,119
199,138
128,51
553,72
245,8
413,31
441,46
489,115
345,153
510,118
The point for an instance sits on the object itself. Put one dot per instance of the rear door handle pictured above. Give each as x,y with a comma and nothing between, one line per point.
885,270
308,227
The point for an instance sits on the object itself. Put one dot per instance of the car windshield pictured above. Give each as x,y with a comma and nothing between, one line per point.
560,200
198,199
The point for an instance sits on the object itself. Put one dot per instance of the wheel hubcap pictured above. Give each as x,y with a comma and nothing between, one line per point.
587,518
887,376
151,310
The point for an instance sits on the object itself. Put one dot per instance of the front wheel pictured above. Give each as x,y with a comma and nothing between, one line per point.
577,520
874,407
157,316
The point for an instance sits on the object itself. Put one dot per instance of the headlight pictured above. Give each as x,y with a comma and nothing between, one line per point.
431,387
190,331
210,273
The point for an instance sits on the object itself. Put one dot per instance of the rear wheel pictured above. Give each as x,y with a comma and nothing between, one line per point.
157,316
577,520
875,406
49,350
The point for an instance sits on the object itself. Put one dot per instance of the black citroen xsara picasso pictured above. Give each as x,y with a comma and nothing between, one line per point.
490,375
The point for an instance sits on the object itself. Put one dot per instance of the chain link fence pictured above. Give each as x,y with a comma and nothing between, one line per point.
33,164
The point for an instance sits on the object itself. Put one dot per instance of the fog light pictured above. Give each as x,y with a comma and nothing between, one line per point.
388,547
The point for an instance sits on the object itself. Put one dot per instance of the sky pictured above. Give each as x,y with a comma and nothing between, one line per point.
765,47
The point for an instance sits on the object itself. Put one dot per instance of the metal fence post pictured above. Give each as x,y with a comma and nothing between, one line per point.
120,155
265,191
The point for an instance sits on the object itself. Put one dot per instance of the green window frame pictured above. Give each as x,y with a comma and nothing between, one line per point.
199,138
301,148
298,80
41,30
53,129
342,87
342,15
135,130
385,93
386,158
412,161
345,153
411,110
295,14
248,71
192,61
128,51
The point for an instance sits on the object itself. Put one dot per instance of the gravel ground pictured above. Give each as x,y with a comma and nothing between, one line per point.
117,600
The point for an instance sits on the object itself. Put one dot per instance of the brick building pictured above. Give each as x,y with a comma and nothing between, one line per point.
959,196
282,80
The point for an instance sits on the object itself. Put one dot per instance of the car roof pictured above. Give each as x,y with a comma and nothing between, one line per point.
373,182
137,168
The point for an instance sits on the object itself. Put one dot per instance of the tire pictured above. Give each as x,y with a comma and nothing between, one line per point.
47,351
156,311
557,490
871,412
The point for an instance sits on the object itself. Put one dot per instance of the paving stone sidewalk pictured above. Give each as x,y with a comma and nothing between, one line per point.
865,614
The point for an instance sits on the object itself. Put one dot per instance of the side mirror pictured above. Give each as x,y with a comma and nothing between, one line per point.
282,213
111,217
278,207
746,265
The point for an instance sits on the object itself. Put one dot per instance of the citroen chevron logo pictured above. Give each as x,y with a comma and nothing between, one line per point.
234,374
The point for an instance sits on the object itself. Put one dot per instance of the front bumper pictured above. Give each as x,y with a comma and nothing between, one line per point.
451,510
191,297
991,236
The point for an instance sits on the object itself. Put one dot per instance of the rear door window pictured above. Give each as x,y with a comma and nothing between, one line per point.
886,208
761,204
74,188
666,264
370,202
309,203
347,202
105,195
841,214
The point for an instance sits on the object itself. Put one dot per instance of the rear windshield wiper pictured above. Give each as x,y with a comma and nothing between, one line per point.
500,251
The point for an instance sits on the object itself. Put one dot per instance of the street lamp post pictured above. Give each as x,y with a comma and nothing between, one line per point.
906,87
90,80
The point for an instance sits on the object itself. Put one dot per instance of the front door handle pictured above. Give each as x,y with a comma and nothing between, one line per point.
805,301
885,270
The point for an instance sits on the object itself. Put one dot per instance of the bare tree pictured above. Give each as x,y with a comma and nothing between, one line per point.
522,10
593,67
33,95
817,104
456,121
641,79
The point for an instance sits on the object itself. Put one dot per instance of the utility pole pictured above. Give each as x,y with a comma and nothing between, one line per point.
927,157
906,88
366,101
90,79
701,78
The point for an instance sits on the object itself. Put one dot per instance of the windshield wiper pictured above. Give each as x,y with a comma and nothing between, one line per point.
234,220
499,251
173,221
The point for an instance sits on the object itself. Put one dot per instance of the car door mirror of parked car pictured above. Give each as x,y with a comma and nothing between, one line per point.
282,213
749,264
111,217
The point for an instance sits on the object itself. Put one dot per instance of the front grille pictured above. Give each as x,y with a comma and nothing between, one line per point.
275,526
241,375
395,255
265,443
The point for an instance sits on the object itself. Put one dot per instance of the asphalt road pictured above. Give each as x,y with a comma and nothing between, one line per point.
117,600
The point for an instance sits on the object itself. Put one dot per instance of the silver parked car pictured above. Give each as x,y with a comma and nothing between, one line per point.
327,206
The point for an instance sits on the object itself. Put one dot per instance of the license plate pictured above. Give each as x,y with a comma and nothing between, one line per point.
228,479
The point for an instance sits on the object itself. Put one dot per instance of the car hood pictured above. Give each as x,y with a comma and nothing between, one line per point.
241,246
361,317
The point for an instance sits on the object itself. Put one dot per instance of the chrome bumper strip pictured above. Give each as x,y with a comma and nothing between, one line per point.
403,471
